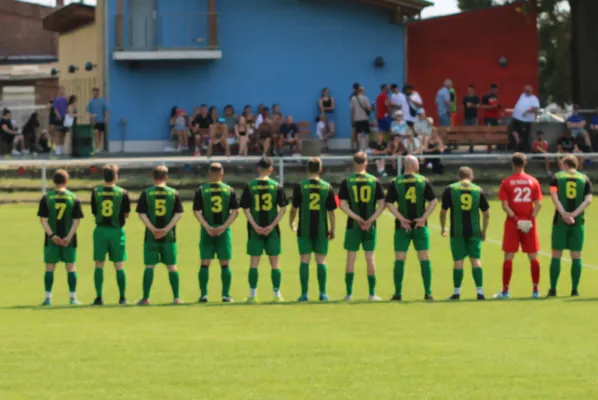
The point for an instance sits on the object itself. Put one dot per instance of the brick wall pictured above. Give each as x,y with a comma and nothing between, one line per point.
22,30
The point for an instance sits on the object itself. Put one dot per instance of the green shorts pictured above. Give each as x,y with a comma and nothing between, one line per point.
54,254
155,253
109,240
257,245
218,246
569,237
355,239
308,245
420,238
466,247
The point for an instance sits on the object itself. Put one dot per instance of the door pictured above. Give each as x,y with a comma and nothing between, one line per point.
142,24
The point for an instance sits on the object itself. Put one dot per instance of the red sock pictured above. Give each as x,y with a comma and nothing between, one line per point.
535,268
507,271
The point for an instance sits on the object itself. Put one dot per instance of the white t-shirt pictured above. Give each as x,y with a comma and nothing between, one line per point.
414,97
397,102
321,129
523,104
411,147
258,121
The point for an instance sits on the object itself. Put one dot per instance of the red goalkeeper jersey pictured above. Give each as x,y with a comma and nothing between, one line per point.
521,191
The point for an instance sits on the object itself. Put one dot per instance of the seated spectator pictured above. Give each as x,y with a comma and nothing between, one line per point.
594,122
180,129
200,128
422,126
379,147
289,136
411,145
213,113
248,114
276,114
230,117
540,146
10,137
323,131
399,126
263,118
328,106
577,124
242,129
567,143
36,141
219,137
433,146
171,120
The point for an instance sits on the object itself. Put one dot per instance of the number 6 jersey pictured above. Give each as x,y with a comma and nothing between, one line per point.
109,204
520,191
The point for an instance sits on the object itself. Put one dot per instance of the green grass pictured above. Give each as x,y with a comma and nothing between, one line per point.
517,349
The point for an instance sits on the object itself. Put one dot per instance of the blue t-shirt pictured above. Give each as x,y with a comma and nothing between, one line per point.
98,108
595,120
442,97
575,118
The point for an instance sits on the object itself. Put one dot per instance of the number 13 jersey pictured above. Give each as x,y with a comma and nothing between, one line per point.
263,197
520,191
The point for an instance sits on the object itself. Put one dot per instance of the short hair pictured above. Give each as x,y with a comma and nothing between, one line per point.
95,89
109,172
314,165
493,86
360,158
519,160
394,86
472,86
60,177
265,163
216,168
465,173
539,133
383,86
204,106
160,173
570,161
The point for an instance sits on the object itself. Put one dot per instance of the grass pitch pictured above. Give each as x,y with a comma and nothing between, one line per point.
518,349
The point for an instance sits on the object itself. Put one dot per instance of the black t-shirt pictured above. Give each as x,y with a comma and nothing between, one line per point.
567,143
6,135
289,130
471,112
374,145
202,122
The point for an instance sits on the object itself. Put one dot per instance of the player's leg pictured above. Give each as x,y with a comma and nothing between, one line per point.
272,248
459,252
576,245
169,257
207,251
117,253
255,248
305,246
559,243
322,272
402,240
530,245
48,283
474,252
69,257
510,245
100,248
151,257
421,242
352,245
224,251
369,246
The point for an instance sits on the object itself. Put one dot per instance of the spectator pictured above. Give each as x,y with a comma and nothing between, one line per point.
360,115
414,104
327,107
411,145
200,128
397,99
230,117
276,114
260,109
422,126
323,131
68,122
99,116
491,106
263,125
382,107
399,127
594,122
219,137
213,115
36,141
566,143
171,120
180,130
242,129
289,136
194,116
379,147
248,114
54,121
355,145
444,103
433,146
453,108
524,114
540,146
577,124
471,103
60,105
9,135
263,118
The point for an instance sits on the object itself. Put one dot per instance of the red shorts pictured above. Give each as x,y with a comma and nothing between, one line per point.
513,237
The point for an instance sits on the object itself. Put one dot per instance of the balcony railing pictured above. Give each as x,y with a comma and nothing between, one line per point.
167,31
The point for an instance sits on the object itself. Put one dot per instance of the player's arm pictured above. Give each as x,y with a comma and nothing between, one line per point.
554,196
295,207
246,204
77,215
503,196
537,199
126,205
142,212
586,200
43,214
447,200
507,209
198,212
379,197
430,197
485,208
234,213
343,195
330,207
176,217
391,199
282,203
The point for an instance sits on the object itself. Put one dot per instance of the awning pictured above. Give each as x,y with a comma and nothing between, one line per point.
71,17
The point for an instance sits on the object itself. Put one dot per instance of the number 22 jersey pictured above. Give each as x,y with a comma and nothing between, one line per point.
520,191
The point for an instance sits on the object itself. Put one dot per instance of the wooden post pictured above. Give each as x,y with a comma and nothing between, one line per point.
213,24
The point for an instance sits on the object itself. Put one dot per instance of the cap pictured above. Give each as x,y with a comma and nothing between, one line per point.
264,163
398,112
420,111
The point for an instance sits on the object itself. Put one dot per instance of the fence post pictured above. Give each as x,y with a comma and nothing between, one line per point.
44,177
281,171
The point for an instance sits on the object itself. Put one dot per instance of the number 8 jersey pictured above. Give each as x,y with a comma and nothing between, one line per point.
109,204
520,191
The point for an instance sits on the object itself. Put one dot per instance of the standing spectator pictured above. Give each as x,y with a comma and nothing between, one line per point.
397,100
379,147
219,137
433,146
577,124
180,129
471,103
453,108
68,122
327,107
540,146
355,145
60,106
53,121
382,107
524,114
263,126
200,128
414,104
242,132
323,131
444,103
289,136
360,115
9,135
98,110
422,126
491,106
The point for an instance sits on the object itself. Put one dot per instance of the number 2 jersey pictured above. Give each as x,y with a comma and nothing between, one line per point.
60,207
410,192
263,197
160,203
314,198
215,201
362,192
110,204
520,191
465,200
572,188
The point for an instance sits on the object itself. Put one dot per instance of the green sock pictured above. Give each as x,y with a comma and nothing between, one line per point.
372,284
457,278
478,277
98,279
253,277
276,276
226,276
173,277
399,272
204,276
148,279
72,281
349,282
575,273
304,278
48,280
322,276
555,271
426,271
121,281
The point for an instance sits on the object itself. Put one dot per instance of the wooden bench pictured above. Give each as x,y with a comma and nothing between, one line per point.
487,135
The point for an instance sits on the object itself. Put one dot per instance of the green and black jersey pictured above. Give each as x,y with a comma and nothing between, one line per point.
160,204
215,201
411,192
362,191
263,197
110,204
60,207
465,201
572,188
314,198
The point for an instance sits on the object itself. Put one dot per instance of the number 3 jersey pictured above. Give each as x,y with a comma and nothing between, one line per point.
160,203
60,207
410,192
362,192
263,197
215,201
465,200
520,191
110,204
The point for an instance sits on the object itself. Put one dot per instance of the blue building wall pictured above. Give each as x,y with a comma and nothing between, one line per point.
274,51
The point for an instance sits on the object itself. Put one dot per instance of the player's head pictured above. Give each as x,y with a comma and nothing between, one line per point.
110,173
360,161
60,178
314,166
160,174
518,161
465,174
215,172
569,162
264,166
411,165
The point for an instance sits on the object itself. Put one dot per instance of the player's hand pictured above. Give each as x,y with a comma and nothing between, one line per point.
160,233
210,231
420,222
405,224
524,225
57,241
66,241
268,229
219,231
367,224
443,233
293,227
331,235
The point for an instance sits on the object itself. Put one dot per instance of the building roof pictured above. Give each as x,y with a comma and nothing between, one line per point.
69,18
27,72
408,8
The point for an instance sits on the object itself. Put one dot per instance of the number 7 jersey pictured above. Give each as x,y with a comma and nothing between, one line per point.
520,191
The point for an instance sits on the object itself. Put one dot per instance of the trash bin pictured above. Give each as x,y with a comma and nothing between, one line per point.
82,141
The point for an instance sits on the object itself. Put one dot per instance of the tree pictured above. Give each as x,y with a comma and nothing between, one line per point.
468,5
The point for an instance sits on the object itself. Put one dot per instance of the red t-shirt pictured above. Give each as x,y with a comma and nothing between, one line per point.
491,100
521,191
381,107
540,146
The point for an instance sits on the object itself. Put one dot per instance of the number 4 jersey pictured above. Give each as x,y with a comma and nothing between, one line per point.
263,197
520,191
411,193
160,203
110,204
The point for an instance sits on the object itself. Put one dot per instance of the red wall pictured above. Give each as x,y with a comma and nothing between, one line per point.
466,47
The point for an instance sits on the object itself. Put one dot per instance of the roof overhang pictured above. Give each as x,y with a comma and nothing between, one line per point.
409,8
69,18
